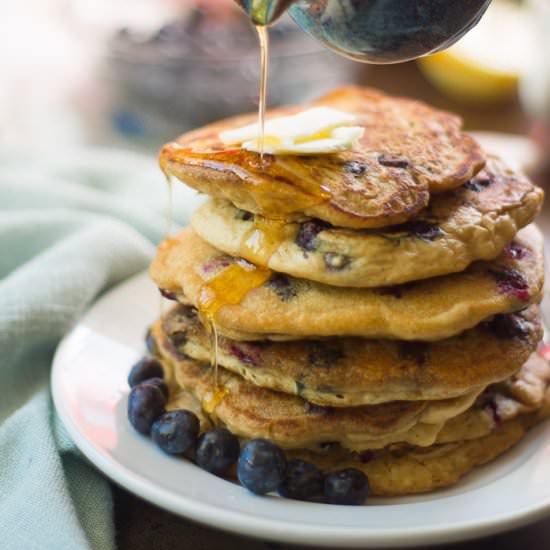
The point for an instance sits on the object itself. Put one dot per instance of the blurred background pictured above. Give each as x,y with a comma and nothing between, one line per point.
135,73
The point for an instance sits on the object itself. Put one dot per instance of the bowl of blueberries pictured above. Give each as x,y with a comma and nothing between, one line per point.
204,66
259,465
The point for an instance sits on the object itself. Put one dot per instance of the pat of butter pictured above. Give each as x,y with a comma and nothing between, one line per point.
314,131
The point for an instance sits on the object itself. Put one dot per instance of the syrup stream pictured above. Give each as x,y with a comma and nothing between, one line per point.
213,332
233,283
263,36
167,227
169,206
228,287
210,298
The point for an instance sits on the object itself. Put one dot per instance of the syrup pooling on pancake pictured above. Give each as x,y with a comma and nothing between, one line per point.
228,284
284,192
213,398
262,239
386,180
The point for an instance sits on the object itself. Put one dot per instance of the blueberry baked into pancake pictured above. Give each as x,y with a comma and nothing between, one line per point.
356,312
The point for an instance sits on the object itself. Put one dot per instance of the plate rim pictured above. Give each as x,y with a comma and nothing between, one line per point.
219,518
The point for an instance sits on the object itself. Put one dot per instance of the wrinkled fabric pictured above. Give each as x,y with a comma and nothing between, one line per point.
71,227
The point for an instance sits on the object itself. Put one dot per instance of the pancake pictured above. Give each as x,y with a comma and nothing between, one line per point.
250,411
474,222
410,470
288,308
521,394
408,151
343,372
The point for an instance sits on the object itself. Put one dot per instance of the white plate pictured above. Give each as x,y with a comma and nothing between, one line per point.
89,390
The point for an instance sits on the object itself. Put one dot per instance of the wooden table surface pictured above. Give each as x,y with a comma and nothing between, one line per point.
142,526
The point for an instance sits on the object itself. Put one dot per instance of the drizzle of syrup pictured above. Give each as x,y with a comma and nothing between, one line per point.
263,37
168,226
228,287
288,187
213,398
169,205
261,241
278,185
213,336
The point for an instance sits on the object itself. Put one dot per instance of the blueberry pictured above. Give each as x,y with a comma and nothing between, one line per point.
282,286
144,369
324,354
336,262
168,294
261,466
505,327
355,168
511,281
151,343
176,432
478,183
422,229
417,352
307,235
160,384
217,451
303,481
178,339
145,404
349,486
393,162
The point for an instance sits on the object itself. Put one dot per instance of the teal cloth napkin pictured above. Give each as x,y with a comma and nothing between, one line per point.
70,228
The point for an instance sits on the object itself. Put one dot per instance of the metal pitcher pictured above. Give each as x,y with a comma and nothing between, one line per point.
376,31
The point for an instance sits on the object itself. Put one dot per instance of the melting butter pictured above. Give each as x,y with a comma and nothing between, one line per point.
313,131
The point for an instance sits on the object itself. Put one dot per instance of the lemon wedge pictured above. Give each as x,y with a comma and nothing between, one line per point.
487,63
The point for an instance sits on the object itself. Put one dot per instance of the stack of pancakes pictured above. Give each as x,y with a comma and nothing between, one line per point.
376,308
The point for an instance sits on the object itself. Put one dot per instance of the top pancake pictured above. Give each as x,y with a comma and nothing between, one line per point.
408,151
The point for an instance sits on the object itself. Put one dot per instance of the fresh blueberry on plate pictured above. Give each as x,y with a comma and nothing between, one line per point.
217,451
261,467
302,481
349,486
176,432
146,403
145,368
160,384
